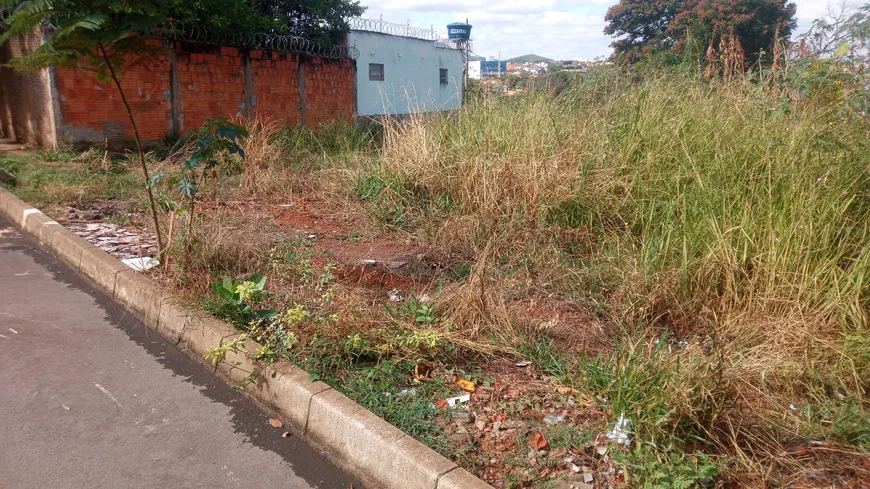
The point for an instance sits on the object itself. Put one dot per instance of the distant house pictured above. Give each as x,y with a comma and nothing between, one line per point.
474,69
403,69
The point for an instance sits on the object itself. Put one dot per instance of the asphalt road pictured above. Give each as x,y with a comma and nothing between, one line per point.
91,398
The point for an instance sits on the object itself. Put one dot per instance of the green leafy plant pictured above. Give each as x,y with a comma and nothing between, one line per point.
219,353
327,276
217,142
238,298
420,339
678,471
324,20
357,347
426,315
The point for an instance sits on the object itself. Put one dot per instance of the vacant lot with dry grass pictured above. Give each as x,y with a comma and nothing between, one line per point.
691,257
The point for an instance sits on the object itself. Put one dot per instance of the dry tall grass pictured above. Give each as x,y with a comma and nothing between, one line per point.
715,214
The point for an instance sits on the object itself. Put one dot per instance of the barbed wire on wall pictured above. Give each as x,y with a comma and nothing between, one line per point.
380,26
178,31
265,41
403,30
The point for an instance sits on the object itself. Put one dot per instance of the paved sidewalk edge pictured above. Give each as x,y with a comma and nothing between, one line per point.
378,453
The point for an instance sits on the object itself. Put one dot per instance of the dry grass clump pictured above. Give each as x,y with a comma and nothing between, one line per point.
671,181
261,154
495,171
227,243
477,308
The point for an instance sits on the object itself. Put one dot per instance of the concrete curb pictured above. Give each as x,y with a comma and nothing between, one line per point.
378,453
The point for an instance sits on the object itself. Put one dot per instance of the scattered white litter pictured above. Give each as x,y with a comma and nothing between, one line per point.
621,431
396,296
10,329
458,400
65,406
140,264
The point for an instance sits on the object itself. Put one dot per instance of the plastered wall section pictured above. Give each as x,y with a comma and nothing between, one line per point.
411,75
25,97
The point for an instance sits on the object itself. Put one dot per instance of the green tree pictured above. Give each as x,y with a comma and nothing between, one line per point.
106,37
218,16
755,23
323,20
643,26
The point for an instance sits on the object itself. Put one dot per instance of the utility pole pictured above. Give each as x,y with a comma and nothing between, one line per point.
467,53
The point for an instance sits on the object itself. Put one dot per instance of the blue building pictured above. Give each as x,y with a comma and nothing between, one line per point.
403,69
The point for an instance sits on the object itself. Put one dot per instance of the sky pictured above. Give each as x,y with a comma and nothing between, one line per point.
558,29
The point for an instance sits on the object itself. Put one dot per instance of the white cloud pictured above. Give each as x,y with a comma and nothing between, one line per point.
810,10
561,29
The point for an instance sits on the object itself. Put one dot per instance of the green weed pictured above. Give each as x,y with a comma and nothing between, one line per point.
645,470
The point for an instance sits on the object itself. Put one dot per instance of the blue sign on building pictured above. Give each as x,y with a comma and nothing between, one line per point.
493,68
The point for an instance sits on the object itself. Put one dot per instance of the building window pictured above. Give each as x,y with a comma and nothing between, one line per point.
443,76
376,72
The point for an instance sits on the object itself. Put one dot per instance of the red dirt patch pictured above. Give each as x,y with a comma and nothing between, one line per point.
369,278
568,325
303,221
383,263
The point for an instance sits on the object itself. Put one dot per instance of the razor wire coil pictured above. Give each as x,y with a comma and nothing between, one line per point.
258,40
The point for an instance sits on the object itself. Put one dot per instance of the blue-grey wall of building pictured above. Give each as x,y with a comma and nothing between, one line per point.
411,75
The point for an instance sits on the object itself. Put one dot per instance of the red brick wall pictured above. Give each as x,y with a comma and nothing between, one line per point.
25,97
92,111
275,82
329,91
211,82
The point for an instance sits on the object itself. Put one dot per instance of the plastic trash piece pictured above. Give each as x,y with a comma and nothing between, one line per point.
621,432
141,264
553,419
